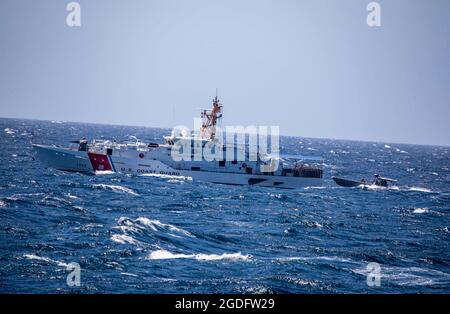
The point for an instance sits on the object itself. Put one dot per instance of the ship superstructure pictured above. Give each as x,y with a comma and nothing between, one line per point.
159,158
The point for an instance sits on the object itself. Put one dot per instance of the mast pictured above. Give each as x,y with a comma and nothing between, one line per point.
210,119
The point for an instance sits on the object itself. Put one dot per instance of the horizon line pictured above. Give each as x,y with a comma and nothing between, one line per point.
284,135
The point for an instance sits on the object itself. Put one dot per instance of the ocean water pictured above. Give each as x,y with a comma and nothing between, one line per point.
149,234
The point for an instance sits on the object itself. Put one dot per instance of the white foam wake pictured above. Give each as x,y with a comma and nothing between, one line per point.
378,187
419,189
314,187
163,254
166,176
101,172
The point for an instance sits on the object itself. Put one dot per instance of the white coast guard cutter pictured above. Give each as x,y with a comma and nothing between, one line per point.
142,158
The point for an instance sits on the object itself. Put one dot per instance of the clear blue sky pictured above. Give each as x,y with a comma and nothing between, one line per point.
312,67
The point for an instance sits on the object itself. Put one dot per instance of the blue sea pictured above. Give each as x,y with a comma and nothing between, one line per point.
141,234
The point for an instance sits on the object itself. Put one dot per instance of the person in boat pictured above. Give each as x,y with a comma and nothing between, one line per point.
83,146
363,181
379,181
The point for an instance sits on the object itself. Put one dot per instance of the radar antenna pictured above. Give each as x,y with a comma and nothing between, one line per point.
210,119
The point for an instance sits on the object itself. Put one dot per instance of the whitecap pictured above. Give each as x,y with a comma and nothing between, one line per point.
156,223
45,259
115,188
387,146
163,254
129,274
123,239
79,208
316,258
74,197
126,229
10,131
420,210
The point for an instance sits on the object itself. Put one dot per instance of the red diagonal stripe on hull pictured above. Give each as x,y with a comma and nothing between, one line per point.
99,162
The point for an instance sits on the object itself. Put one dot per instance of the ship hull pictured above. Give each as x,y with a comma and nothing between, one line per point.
87,162
64,159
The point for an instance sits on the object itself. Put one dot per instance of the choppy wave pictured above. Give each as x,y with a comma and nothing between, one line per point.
171,235
115,188
409,276
153,224
420,210
316,258
10,131
163,254
123,239
45,259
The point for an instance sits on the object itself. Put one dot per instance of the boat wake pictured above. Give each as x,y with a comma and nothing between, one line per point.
166,176
419,189
103,172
